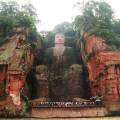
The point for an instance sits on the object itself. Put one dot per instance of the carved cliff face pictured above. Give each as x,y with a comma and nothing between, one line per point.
3,73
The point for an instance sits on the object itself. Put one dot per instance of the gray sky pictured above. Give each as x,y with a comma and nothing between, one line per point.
53,12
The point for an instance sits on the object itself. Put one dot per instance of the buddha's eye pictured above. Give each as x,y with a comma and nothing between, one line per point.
57,36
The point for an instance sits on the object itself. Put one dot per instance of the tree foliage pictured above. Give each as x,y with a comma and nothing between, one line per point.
97,18
12,14
49,39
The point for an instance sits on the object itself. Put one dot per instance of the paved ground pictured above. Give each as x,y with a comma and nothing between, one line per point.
101,118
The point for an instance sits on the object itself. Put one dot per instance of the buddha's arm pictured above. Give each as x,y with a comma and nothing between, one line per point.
71,55
47,57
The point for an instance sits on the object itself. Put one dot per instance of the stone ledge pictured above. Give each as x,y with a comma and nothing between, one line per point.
68,112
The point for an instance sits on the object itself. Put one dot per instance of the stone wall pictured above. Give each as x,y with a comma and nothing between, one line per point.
68,112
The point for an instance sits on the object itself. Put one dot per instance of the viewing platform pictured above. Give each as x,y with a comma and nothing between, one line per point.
67,109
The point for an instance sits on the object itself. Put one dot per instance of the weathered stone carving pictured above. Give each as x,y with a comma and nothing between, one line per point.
59,59
15,61
103,67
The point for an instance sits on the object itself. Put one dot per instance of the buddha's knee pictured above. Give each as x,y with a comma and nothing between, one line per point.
74,81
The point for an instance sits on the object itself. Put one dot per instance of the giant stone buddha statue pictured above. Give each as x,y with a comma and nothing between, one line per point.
59,56
59,60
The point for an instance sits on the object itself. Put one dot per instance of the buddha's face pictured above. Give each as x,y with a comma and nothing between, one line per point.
59,38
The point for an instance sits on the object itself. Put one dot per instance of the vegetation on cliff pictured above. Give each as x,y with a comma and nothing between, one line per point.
97,17
12,15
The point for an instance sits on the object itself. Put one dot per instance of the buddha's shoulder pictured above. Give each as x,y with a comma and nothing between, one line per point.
69,48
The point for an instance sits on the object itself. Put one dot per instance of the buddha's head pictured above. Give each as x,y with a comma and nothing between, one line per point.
59,38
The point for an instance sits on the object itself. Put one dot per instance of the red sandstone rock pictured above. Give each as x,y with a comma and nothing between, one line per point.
103,67
15,62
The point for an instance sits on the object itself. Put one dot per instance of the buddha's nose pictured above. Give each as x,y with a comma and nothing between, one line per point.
60,40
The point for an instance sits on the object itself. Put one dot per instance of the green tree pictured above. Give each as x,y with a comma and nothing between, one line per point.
63,27
97,18
49,39
11,15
